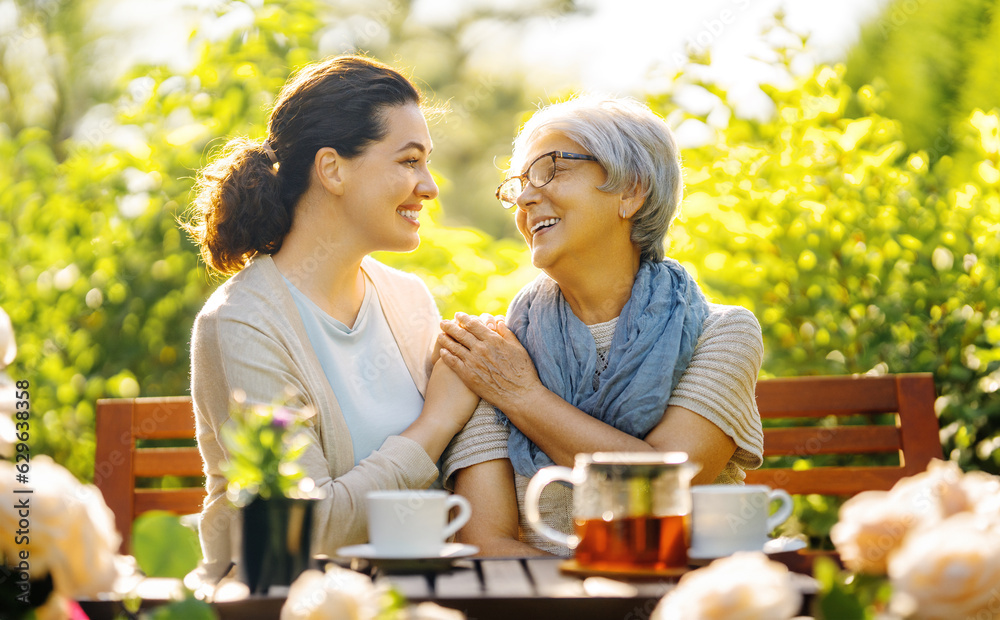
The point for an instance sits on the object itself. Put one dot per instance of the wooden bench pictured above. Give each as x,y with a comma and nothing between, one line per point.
122,423
124,429
914,437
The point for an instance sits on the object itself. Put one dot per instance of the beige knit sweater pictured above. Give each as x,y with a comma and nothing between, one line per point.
719,384
249,337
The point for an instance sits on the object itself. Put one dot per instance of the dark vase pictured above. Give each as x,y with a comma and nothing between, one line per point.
276,540
14,608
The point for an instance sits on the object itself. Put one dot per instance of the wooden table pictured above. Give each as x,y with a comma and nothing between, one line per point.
529,588
483,589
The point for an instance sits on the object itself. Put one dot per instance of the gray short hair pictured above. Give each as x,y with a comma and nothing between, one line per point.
636,148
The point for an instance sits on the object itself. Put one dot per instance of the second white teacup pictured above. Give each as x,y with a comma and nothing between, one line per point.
729,518
406,524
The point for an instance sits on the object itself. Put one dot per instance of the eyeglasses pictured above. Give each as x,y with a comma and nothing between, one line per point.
539,174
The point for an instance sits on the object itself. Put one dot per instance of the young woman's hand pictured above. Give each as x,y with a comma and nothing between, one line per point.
491,361
448,399
448,405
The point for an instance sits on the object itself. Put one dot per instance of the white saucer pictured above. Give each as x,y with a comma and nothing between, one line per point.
782,544
369,552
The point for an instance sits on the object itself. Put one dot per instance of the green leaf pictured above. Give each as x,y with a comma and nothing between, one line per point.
164,547
838,604
188,609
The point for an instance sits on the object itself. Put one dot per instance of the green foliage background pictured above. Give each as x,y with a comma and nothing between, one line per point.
859,249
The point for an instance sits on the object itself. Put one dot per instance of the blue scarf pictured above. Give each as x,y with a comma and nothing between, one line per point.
654,340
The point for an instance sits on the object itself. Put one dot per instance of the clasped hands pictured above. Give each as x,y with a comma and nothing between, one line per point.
489,359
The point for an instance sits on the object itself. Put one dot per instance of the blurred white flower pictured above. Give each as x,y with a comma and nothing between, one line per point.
982,491
8,347
936,493
870,527
8,433
337,594
72,531
949,571
8,350
743,586
874,524
342,594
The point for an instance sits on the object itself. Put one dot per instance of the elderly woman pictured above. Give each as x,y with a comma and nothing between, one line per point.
614,347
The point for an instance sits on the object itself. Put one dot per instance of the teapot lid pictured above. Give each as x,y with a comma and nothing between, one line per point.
639,464
633,458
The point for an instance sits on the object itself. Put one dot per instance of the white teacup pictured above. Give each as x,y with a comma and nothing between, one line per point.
413,523
729,518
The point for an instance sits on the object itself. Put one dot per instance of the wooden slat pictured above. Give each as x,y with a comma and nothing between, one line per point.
113,462
920,433
828,480
459,583
506,578
655,589
177,501
410,586
156,462
822,396
808,441
550,582
915,437
163,418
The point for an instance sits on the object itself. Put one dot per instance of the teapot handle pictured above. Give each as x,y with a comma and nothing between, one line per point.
532,494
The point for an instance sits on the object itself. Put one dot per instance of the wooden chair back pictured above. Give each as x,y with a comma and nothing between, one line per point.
914,437
126,431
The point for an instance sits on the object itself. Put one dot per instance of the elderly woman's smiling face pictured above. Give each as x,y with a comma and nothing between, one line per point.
568,222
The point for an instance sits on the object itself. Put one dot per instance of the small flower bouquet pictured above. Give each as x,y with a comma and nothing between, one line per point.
265,444
267,483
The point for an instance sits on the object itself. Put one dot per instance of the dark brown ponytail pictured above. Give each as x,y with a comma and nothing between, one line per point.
244,203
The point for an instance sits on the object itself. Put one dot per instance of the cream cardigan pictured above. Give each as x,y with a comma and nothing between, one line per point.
249,337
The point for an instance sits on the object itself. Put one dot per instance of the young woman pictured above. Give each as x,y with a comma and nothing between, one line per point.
309,319
614,347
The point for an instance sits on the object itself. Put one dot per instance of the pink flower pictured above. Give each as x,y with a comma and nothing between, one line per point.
283,417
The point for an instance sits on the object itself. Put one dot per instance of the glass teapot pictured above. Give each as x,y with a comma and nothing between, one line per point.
631,510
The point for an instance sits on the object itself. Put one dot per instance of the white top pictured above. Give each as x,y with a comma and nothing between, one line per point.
365,369
250,337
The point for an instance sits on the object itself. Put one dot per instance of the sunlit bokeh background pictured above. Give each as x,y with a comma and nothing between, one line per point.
841,167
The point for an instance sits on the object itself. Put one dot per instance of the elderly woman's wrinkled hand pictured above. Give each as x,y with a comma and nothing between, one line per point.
491,361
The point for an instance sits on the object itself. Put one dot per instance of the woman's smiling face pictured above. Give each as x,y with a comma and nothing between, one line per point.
388,182
567,222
